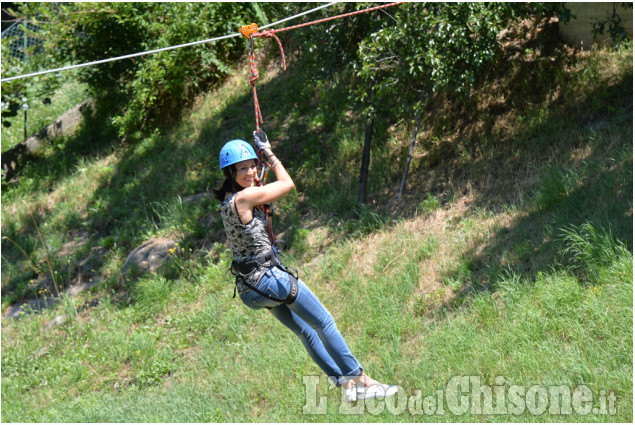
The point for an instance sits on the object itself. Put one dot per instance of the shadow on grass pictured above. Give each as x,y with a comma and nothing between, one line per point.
586,179
567,161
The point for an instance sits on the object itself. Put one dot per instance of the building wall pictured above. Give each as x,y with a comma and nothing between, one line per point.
578,31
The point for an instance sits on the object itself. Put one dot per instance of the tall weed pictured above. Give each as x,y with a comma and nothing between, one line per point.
590,248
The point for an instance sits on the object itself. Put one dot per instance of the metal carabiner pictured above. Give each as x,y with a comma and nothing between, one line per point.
262,171
250,45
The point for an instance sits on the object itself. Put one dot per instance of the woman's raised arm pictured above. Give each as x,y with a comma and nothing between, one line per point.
258,195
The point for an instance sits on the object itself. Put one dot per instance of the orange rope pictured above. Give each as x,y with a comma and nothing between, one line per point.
319,21
249,31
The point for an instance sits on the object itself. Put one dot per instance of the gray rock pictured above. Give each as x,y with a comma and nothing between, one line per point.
31,306
149,256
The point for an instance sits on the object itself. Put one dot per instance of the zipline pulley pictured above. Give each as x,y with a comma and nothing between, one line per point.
247,30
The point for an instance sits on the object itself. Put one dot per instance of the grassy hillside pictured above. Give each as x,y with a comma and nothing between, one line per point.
509,259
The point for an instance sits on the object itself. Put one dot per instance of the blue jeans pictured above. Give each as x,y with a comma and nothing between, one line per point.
309,320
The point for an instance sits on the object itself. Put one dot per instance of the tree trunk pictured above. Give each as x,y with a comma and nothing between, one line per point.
363,174
409,158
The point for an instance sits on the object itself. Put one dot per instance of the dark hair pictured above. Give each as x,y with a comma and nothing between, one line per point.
229,185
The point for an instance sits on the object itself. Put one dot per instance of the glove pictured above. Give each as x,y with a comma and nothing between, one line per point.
261,140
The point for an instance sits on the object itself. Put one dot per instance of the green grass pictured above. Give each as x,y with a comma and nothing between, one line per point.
510,259
178,356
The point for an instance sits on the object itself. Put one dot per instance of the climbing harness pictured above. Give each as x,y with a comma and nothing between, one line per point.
245,268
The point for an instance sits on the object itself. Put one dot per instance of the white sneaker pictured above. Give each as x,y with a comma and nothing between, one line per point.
376,391
351,394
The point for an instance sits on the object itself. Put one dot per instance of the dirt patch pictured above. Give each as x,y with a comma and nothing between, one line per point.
77,240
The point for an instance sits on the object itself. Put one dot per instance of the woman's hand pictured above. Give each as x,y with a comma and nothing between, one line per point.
260,138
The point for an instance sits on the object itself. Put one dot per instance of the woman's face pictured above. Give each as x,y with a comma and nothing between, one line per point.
246,173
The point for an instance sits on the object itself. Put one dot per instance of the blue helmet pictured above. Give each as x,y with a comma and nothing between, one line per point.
235,151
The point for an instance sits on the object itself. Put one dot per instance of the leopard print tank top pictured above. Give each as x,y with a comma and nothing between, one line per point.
247,241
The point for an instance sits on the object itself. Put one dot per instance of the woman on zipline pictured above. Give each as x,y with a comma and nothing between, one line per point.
261,279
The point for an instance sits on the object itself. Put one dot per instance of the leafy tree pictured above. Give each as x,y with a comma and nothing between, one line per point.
433,47
149,91
330,53
386,62
614,24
